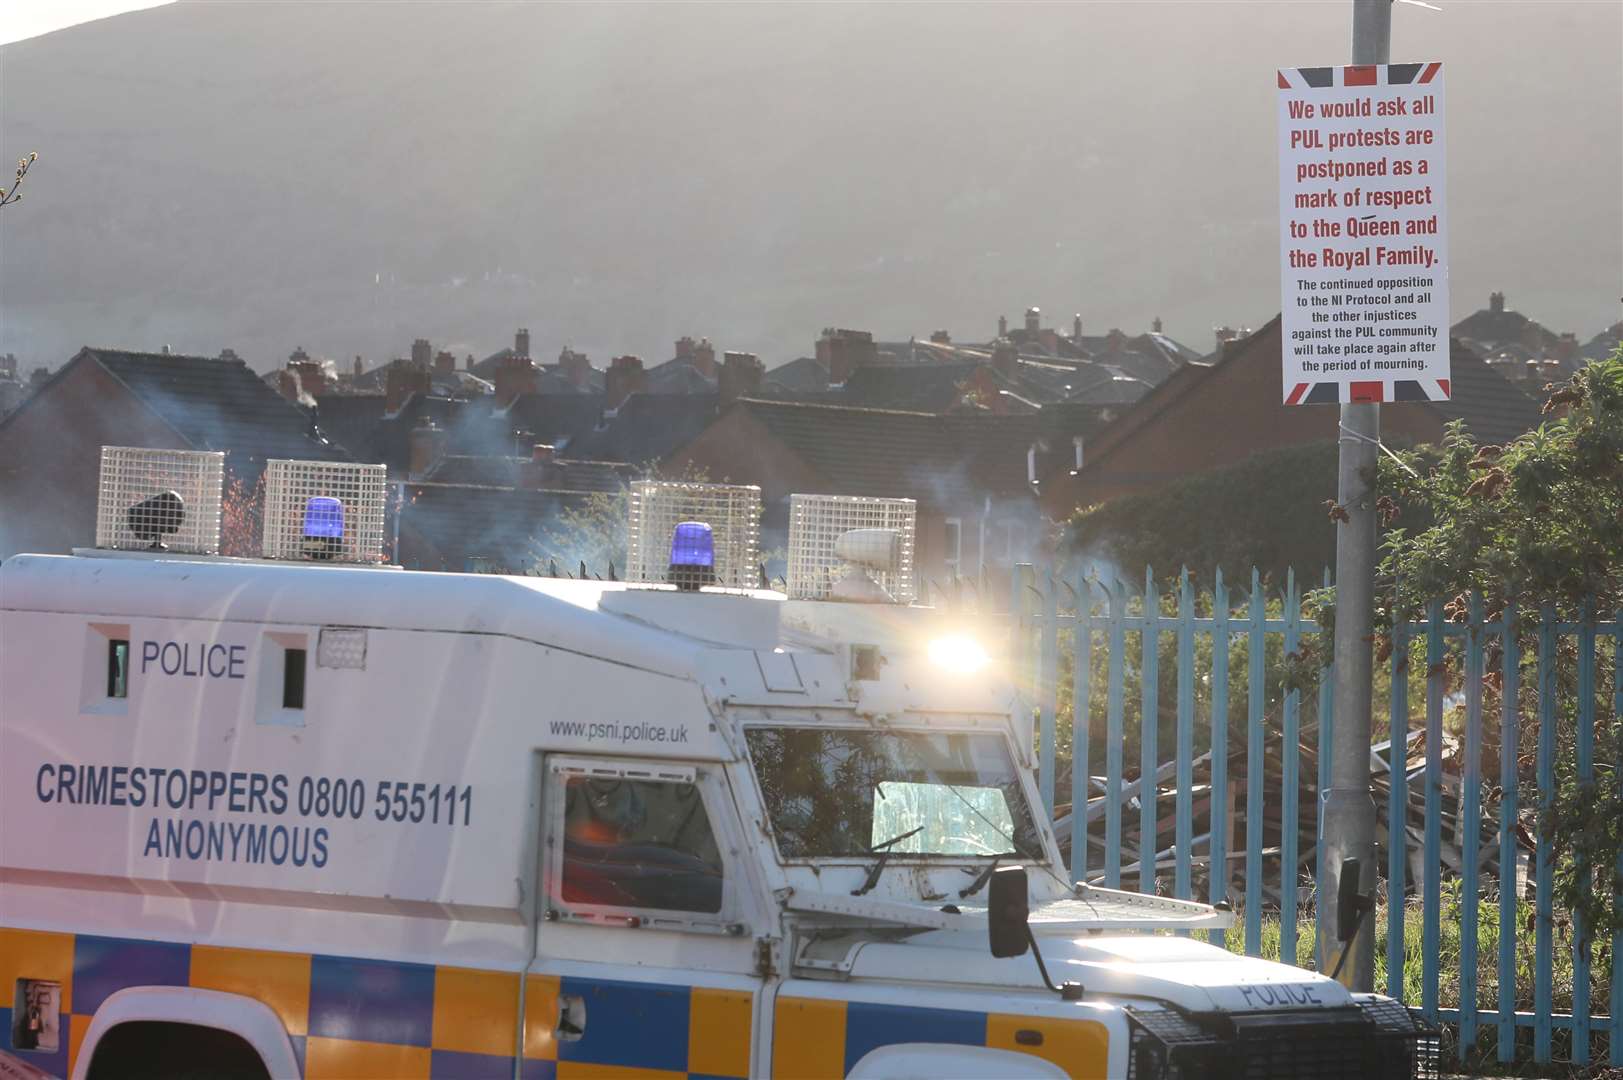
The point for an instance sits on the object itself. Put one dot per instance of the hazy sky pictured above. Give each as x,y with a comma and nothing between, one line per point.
30,18
350,176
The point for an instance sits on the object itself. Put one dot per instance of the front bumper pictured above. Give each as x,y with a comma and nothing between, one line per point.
1376,1038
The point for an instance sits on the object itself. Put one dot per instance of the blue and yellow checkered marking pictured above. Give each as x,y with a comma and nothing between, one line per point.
356,1018
813,1038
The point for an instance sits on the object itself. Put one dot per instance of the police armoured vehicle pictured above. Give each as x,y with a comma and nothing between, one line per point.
308,815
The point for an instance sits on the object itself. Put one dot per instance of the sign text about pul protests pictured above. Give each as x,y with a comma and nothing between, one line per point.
1363,233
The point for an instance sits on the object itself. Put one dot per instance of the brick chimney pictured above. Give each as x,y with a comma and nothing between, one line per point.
467,362
1496,302
1004,356
422,352
287,384
1076,328
1226,334
704,358
1155,325
427,447
444,363
624,378
1566,349
1034,320
740,376
521,341
843,351
575,367
360,366
535,473
940,337
1048,337
403,379
311,375
684,347
1002,326
515,375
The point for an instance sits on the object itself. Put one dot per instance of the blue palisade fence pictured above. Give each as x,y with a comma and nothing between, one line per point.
1062,625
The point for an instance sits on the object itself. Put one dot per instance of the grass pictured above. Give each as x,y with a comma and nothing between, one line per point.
1482,1057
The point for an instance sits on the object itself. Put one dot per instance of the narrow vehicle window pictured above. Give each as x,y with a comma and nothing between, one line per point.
293,679
118,668
639,844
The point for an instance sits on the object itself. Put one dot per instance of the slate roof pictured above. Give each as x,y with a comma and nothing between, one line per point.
457,526
941,460
646,428
1603,344
805,374
1494,328
486,369
678,377
1493,408
218,405
560,474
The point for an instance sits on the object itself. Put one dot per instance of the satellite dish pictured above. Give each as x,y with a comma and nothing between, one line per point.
156,517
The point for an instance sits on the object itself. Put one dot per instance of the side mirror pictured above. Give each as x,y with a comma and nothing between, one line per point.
1349,902
1008,909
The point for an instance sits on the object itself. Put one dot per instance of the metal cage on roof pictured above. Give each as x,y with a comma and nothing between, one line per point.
733,512
324,511
160,500
816,523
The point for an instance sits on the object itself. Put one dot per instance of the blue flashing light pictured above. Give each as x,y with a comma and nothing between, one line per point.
324,518
692,545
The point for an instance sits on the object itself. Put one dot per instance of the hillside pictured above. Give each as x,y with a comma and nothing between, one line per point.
350,176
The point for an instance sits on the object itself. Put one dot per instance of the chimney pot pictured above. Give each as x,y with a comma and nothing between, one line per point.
1496,301
704,358
444,363
421,352
843,351
575,367
1004,356
515,375
1034,319
624,378
740,376
521,342
403,379
427,447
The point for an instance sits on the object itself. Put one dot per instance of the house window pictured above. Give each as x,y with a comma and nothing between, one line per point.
1008,541
953,546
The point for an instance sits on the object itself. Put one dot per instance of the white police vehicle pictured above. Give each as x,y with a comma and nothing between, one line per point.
260,818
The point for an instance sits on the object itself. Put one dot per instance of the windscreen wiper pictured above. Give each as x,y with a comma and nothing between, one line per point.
980,882
878,867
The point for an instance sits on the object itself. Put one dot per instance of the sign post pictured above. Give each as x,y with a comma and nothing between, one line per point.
1364,320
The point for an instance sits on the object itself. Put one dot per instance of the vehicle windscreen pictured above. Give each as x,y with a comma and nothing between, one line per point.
834,792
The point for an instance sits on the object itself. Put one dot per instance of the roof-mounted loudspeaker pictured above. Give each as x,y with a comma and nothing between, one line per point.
160,500
847,547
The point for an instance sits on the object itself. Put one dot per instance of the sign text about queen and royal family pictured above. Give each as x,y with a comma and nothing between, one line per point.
1363,234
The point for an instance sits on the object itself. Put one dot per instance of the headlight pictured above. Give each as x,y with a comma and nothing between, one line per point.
958,653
